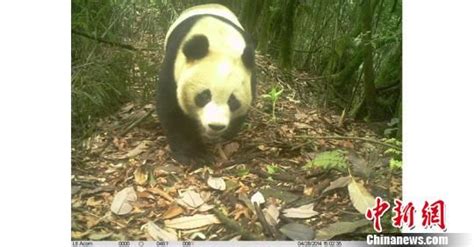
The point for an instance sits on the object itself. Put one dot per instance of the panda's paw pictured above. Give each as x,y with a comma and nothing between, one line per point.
193,158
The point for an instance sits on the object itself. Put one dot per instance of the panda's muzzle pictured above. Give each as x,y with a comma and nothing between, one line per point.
216,127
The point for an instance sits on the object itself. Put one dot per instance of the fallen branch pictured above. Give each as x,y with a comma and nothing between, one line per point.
234,226
108,42
349,138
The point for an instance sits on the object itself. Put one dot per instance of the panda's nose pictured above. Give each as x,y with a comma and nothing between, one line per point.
216,127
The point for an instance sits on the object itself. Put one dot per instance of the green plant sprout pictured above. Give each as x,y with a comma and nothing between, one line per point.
273,96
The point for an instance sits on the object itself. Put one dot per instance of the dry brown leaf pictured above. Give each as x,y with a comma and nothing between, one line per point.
191,198
231,148
161,193
99,236
120,143
302,126
339,228
141,175
239,211
303,212
205,207
92,202
157,233
360,197
298,231
121,203
300,116
338,183
137,150
216,183
79,235
191,222
272,214
173,211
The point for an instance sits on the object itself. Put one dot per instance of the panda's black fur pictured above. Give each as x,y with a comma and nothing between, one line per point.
182,131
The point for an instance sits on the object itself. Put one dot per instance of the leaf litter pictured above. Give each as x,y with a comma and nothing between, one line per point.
156,185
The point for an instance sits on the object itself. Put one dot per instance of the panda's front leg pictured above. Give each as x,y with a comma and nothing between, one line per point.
185,141
234,127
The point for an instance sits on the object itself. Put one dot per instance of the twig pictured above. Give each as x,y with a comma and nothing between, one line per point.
349,138
108,42
234,226
268,229
126,130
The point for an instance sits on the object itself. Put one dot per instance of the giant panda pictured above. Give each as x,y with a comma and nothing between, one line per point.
207,81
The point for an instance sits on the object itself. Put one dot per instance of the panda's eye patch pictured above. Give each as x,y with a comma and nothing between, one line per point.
233,103
203,98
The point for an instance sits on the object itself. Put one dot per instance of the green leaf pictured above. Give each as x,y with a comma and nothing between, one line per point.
329,160
395,164
273,169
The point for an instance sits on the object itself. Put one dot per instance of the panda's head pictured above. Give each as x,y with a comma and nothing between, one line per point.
214,85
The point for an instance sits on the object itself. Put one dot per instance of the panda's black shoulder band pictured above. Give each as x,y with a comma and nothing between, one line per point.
197,47
248,57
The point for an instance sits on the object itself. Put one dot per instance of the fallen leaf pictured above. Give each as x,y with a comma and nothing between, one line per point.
360,197
305,211
157,233
339,228
191,198
338,183
272,214
309,189
302,126
92,202
239,211
191,222
161,193
283,195
300,116
245,199
297,231
99,236
127,107
205,195
216,183
120,143
199,235
205,207
79,235
257,198
121,203
137,150
360,166
141,175
231,148
173,211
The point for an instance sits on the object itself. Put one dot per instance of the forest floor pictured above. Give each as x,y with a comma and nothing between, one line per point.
303,175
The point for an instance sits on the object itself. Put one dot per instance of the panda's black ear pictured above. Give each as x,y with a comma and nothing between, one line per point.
196,48
248,57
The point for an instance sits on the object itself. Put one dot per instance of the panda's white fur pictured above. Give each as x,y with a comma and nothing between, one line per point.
213,9
224,70
221,71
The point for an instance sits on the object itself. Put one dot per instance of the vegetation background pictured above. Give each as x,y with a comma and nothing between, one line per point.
322,140
349,53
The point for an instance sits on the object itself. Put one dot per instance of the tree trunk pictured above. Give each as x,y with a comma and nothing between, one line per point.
369,86
286,35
